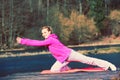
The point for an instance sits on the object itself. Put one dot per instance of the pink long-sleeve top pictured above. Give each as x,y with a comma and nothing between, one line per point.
57,49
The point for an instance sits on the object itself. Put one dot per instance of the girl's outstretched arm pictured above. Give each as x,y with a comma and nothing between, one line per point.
30,42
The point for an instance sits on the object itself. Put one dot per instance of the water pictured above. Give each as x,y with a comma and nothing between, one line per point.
29,67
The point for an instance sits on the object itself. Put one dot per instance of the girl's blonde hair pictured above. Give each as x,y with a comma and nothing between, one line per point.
49,28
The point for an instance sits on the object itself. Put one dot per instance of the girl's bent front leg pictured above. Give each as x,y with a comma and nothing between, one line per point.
58,66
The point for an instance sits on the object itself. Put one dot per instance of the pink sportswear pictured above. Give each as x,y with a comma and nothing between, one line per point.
57,49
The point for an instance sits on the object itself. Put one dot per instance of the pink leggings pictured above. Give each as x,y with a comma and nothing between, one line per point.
75,56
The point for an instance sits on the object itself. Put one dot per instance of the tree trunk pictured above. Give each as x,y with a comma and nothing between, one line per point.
39,6
47,11
30,3
3,23
11,25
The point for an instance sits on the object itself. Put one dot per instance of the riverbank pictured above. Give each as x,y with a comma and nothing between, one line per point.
108,49
112,40
104,41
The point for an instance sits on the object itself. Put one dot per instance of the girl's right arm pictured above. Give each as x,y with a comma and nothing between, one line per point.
29,42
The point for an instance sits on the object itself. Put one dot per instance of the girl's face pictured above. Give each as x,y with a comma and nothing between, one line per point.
45,33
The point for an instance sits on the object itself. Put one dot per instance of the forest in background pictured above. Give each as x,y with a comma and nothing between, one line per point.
74,21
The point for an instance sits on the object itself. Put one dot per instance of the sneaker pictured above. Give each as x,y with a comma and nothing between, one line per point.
112,67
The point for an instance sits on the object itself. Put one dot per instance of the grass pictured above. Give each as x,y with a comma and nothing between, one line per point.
101,51
9,54
95,51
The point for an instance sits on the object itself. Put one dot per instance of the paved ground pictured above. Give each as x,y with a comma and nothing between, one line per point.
108,75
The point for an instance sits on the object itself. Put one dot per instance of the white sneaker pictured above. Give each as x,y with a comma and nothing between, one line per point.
112,67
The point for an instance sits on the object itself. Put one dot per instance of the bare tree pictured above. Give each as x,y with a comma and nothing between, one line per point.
11,24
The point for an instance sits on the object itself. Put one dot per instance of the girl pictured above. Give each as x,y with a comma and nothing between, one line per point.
63,54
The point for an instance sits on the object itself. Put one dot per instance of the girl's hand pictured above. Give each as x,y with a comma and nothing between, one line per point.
18,39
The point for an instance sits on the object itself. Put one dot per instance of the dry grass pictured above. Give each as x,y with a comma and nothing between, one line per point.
115,15
101,51
22,54
104,41
95,51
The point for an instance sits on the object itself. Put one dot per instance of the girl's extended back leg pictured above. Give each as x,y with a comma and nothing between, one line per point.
75,56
